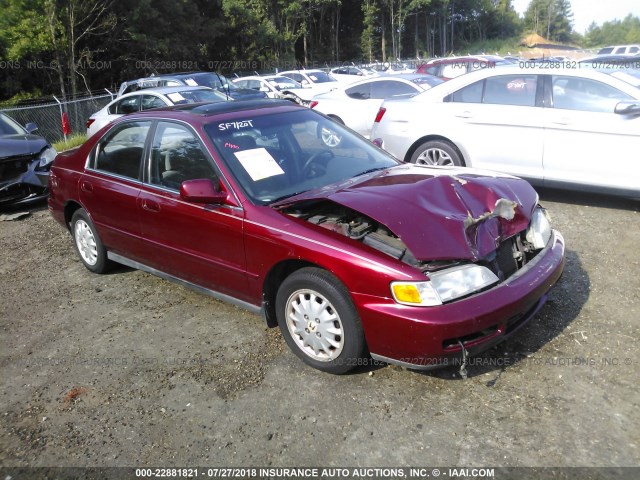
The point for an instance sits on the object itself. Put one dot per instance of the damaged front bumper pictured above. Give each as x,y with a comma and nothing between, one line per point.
28,186
425,338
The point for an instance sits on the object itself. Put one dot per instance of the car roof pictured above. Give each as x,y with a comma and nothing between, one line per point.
201,112
444,89
315,70
165,90
468,58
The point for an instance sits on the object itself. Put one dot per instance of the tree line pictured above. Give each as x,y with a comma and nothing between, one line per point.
68,47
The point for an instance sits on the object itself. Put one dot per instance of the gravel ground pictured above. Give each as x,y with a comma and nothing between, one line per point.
127,369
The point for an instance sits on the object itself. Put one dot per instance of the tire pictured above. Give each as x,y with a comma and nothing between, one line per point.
88,244
437,152
333,341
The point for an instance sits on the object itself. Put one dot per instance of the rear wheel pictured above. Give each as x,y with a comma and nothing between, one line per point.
319,321
437,152
88,244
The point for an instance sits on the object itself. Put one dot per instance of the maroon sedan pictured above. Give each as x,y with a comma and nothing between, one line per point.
352,253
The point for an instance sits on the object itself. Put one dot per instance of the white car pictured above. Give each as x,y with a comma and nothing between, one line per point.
274,86
317,81
350,74
150,98
355,105
573,128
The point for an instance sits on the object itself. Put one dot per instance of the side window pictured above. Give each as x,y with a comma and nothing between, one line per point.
359,92
433,70
120,152
295,76
469,94
633,50
151,101
511,90
176,156
390,89
572,93
126,105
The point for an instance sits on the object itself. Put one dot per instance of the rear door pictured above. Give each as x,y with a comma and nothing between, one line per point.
110,186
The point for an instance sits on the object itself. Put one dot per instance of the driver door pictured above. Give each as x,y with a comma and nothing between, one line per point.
201,244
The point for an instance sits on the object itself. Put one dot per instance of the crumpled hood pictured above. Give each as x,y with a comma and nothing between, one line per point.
18,145
439,213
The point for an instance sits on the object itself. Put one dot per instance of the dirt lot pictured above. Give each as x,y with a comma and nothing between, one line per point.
128,369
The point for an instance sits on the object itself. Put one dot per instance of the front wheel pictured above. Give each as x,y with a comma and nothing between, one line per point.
437,152
319,321
88,244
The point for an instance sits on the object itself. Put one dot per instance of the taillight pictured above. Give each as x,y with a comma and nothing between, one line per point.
313,104
380,114
89,122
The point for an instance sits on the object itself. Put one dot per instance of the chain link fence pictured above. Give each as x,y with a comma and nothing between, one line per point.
48,116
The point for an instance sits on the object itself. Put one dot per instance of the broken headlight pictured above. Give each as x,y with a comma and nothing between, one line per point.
539,231
444,286
46,156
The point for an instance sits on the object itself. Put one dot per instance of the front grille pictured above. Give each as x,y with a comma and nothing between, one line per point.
11,168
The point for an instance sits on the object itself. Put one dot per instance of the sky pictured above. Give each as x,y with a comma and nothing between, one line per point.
587,11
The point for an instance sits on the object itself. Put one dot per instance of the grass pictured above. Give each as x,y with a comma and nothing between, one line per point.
73,141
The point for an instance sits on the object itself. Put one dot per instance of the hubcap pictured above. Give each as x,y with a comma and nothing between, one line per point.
315,325
86,242
329,137
434,156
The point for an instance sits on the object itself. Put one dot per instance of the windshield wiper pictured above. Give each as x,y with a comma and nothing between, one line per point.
284,197
370,171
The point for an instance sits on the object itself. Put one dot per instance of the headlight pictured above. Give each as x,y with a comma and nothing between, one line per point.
539,231
444,286
47,156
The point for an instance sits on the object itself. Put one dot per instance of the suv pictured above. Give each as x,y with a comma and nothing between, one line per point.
620,50
206,79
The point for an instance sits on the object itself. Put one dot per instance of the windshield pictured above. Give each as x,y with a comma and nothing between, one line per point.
196,96
320,77
211,80
9,127
283,82
280,155
629,75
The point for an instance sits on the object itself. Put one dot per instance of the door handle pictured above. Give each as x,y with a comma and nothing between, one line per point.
86,186
150,205
465,114
561,121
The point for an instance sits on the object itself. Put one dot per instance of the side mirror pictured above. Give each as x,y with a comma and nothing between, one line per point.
31,127
628,108
202,190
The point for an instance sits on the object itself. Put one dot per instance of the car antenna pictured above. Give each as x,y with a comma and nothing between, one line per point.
226,87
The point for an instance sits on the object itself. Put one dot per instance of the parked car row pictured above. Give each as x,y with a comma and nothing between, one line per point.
420,258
